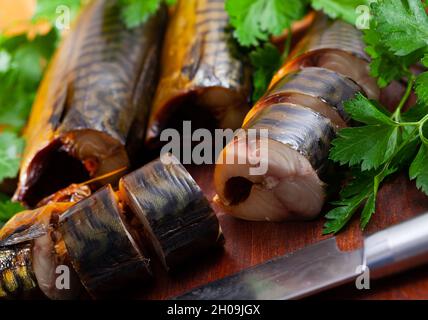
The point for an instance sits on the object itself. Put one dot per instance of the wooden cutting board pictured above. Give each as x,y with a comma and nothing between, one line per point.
250,243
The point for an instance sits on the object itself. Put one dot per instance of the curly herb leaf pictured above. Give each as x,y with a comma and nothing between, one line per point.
255,21
11,147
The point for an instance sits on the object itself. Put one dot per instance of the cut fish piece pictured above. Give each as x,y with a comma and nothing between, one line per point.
302,110
297,146
101,247
177,218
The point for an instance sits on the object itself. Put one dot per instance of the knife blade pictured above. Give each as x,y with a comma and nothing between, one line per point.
323,266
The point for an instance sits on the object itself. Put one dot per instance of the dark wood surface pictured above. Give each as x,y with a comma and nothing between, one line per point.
250,243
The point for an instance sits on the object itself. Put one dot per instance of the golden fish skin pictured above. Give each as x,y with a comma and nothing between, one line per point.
36,231
101,248
177,218
323,84
16,271
91,110
201,75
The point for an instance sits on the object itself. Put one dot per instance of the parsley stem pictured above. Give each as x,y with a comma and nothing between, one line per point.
397,114
421,132
416,123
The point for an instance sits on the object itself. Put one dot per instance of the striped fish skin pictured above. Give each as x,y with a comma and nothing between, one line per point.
101,247
333,45
177,218
16,271
323,84
298,127
37,230
94,101
336,35
200,72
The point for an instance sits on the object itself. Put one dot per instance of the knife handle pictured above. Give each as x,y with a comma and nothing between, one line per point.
397,248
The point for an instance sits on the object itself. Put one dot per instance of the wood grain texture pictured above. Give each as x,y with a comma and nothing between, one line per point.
250,243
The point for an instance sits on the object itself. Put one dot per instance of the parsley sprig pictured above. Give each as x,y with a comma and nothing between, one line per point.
386,142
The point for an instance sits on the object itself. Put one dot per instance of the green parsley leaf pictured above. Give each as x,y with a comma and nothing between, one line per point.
11,148
419,169
361,190
402,25
136,12
27,60
425,60
4,61
385,66
266,60
339,9
406,153
358,184
421,87
370,146
53,9
396,38
8,209
369,209
366,111
255,20
338,217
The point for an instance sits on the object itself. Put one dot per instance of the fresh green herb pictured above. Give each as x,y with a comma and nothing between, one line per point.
421,87
23,64
8,209
369,146
11,148
340,9
402,25
51,10
397,38
390,143
265,60
419,168
135,12
255,21
387,142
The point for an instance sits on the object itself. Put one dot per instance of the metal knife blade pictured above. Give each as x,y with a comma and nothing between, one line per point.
307,271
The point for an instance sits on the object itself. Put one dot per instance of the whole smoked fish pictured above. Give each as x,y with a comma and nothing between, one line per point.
90,112
202,79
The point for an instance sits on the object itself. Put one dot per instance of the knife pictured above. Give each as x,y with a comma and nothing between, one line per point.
323,266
